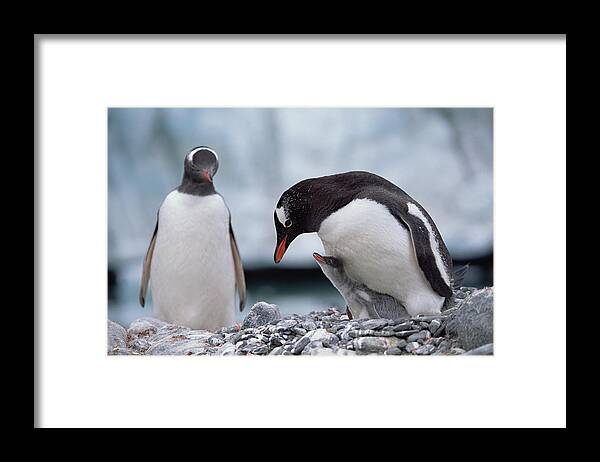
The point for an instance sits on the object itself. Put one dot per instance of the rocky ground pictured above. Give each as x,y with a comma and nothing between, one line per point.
464,328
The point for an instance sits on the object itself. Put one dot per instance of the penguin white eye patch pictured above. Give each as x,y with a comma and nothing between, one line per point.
282,217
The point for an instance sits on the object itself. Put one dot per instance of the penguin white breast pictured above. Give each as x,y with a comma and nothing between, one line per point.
378,252
192,274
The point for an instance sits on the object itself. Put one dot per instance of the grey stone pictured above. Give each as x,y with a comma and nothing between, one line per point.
375,344
155,337
226,349
374,323
325,337
406,333
215,341
277,340
300,345
419,336
411,346
276,351
299,331
403,326
116,339
228,330
424,349
444,346
430,318
181,343
308,325
472,323
393,351
260,314
141,333
249,346
261,350
487,349
434,326
287,324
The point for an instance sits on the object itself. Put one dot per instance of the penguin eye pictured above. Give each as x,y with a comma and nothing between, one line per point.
287,223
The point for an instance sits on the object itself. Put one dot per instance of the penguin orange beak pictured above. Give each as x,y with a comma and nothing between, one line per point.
281,248
206,175
318,257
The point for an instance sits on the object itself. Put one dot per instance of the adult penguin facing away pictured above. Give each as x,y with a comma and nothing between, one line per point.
193,256
385,238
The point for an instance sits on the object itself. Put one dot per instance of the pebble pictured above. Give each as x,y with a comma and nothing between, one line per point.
261,350
226,349
419,336
487,349
411,346
276,351
288,324
260,314
327,333
393,351
374,324
425,349
308,325
434,326
300,345
406,333
371,344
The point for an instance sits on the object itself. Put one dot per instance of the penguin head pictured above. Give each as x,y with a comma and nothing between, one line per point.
327,263
201,165
334,270
290,221
302,208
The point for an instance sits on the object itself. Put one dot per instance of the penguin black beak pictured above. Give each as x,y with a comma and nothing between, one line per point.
206,175
280,250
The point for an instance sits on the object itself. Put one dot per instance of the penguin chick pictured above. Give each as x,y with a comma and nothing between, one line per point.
362,302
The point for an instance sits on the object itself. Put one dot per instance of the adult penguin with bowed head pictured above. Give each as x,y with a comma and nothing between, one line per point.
384,238
193,258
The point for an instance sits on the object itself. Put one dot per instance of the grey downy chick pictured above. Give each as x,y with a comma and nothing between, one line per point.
362,302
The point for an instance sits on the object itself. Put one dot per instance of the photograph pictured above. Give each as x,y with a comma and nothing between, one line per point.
371,228
271,231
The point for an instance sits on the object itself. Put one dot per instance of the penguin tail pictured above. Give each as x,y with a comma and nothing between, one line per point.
458,276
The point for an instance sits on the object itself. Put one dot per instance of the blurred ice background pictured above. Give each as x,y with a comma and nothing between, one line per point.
441,157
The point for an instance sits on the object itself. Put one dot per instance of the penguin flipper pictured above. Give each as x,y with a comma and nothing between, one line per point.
146,266
421,238
240,280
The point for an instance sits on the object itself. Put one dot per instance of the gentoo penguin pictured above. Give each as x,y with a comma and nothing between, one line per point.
193,257
360,300
385,238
